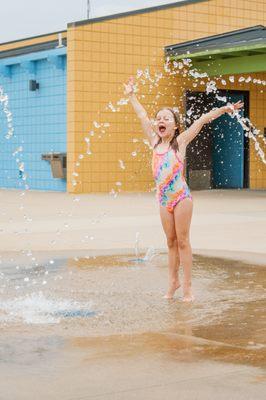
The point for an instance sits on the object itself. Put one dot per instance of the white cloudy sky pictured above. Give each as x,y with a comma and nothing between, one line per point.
25,18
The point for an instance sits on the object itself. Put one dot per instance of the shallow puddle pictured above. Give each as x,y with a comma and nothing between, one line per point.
108,295
68,315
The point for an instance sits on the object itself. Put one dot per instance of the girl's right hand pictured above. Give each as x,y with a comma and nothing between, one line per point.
129,86
232,107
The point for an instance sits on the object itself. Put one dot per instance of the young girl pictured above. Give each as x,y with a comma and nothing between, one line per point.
174,197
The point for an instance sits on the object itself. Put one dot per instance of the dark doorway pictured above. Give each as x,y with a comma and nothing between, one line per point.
219,156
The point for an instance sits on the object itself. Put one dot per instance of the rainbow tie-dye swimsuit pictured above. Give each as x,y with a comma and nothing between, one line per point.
170,182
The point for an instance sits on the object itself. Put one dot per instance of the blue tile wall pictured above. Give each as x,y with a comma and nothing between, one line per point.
39,121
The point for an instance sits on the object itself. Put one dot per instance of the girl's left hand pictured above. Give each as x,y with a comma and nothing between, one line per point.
230,108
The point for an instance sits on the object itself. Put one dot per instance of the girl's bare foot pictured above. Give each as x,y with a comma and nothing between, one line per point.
188,298
171,290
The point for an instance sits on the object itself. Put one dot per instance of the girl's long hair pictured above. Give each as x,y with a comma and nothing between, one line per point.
173,142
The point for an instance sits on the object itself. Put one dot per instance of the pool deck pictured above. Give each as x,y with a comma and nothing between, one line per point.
223,359
226,223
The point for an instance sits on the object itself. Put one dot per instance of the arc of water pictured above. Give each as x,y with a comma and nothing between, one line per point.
185,66
4,100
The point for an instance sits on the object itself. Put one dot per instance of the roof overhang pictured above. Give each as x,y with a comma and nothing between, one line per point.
241,51
33,44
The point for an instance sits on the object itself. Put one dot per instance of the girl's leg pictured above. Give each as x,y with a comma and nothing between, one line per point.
168,224
182,216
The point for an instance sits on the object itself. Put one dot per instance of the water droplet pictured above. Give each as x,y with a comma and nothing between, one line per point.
121,164
112,107
96,124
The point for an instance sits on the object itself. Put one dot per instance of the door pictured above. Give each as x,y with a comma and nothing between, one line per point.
199,151
228,148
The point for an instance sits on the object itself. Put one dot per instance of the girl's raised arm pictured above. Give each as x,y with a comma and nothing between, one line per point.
141,112
189,134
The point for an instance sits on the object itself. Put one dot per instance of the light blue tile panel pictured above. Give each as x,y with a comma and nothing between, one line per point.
39,118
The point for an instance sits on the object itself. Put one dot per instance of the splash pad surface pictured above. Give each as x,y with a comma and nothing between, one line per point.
103,317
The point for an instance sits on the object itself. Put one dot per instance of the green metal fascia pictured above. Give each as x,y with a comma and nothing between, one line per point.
218,52
236,65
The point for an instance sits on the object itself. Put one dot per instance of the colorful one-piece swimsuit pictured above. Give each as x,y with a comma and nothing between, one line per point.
170,182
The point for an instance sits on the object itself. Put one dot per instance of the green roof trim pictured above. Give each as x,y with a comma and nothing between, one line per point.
235,65
217,53
240,51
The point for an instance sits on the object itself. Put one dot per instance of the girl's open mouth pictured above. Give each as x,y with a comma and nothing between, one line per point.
162,128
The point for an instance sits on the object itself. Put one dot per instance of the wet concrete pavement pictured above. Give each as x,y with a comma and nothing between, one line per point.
81,320
133,367
137,345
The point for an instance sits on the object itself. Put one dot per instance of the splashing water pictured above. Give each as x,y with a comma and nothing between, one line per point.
121,164
150,254
185,68
250,130
38,309
17,154
4,100
252,133
137,243
7,112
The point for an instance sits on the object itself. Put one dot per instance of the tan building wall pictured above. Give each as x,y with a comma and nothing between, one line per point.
102,55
